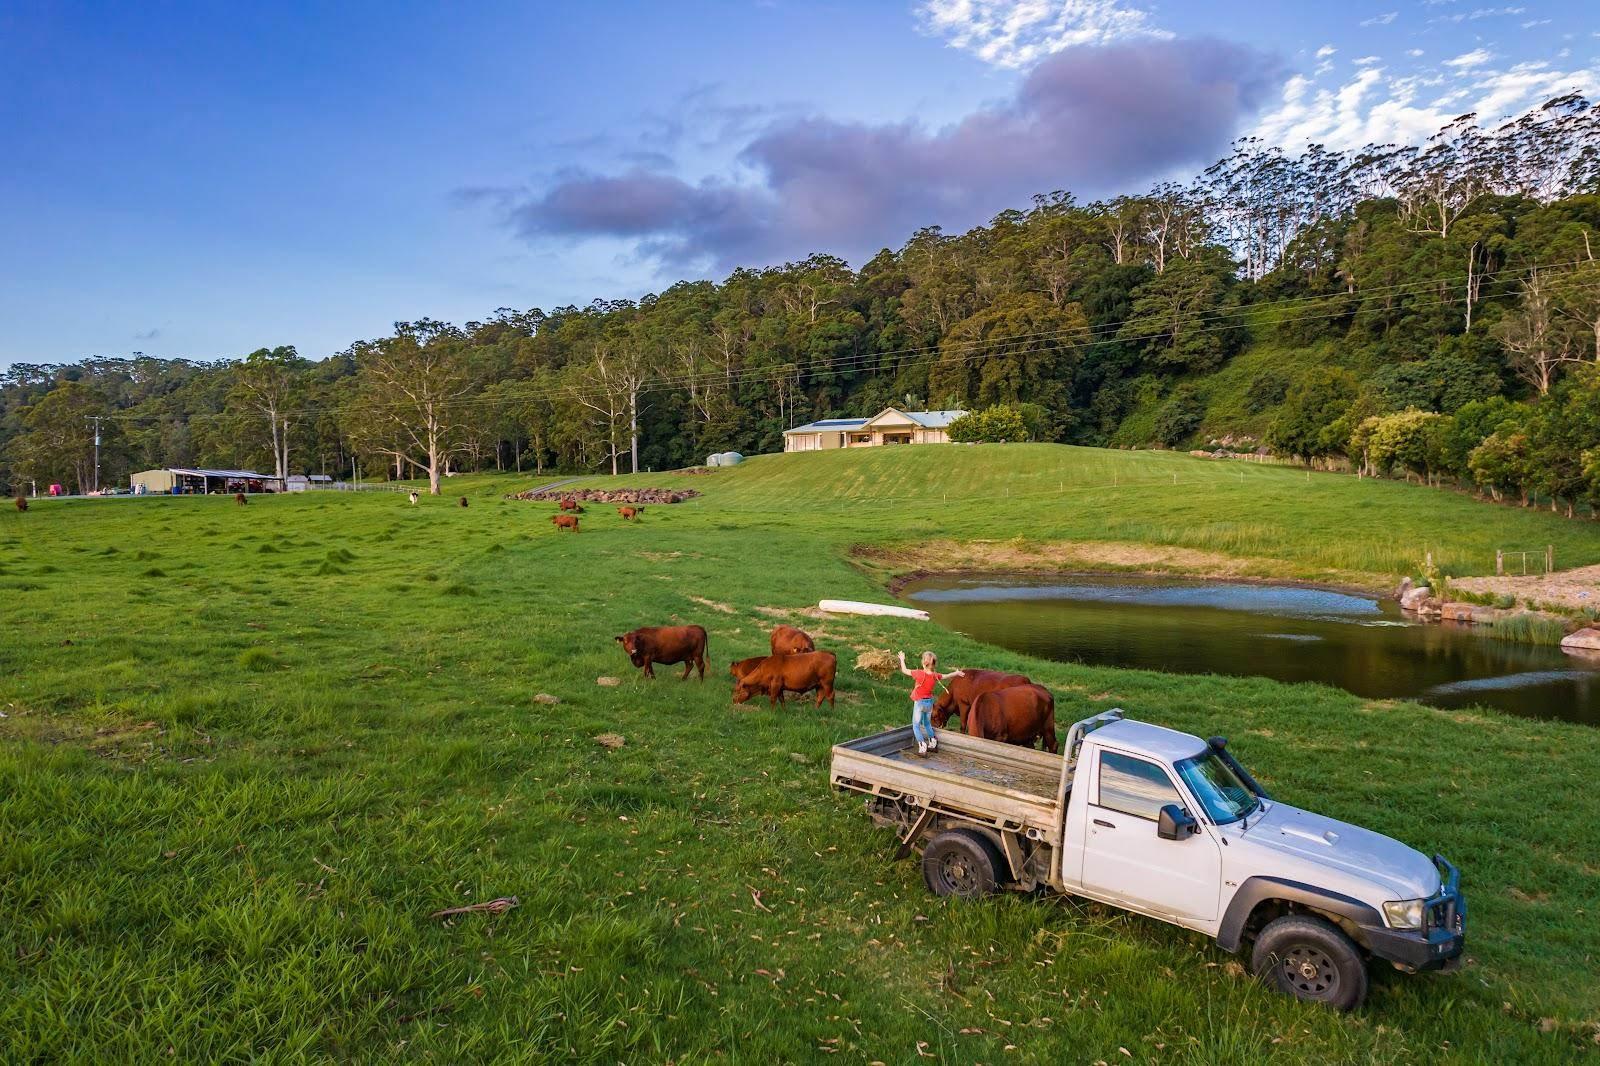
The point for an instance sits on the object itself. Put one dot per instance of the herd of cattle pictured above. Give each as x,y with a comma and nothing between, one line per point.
570,509
988,703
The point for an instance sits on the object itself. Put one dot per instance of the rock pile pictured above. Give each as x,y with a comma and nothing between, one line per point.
611,495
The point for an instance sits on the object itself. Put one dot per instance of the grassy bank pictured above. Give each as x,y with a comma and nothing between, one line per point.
248,751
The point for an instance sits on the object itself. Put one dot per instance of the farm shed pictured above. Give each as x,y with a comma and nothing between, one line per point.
186,481
889,426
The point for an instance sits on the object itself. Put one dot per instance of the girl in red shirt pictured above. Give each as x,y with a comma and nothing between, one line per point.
922,699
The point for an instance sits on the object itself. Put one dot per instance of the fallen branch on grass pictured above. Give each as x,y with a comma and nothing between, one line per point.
494,906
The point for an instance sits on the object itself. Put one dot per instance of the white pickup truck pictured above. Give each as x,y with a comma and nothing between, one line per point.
1171,826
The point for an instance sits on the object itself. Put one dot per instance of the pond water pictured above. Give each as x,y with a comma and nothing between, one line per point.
1359,644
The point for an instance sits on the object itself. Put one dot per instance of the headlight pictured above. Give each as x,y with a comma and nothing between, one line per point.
1403,914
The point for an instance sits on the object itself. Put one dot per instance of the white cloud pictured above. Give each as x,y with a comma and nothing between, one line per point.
1365,61
1413,52
1327,50
1376,107
1531,23
1019,33
1475,58
1381,20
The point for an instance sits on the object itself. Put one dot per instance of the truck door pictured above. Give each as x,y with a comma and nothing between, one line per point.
1124,859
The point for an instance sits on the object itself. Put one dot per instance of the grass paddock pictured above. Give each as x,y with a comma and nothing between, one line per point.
248,751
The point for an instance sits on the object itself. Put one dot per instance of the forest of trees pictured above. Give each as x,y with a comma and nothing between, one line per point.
1426,311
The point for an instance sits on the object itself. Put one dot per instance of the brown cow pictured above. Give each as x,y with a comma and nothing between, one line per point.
1017,715
22,503
739,667
463,501
787,640
667,645
959,692
569,504
799,674
565,521
628,513
240,499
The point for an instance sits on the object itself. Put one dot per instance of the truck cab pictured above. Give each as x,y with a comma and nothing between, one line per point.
1165,824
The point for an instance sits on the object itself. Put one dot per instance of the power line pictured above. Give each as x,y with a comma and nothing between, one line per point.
1221,319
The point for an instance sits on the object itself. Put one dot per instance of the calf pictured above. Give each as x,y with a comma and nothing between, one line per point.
463,501
240,499
1017,715
565,521
666,645
22,503
959,692
569,504
778,674
739,667
787,640
629,513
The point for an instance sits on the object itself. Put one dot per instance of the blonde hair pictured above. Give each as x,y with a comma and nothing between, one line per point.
929,660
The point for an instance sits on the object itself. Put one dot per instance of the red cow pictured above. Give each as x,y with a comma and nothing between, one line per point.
240,499
959,692
667,645
22,504
787,640
629,513
740,667
569,504
565,521
778,674
1017,715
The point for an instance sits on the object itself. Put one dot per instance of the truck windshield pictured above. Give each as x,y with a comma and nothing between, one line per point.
1225,797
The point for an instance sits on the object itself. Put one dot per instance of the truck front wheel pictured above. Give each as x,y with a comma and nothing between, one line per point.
961,863
1310,959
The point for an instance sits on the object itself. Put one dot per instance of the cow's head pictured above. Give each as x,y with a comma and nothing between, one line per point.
741,691
630,644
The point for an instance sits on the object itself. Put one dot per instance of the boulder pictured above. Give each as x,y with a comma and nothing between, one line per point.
1582,640
1458,612
1415,598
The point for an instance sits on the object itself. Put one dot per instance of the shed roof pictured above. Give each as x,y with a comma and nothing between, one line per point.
201,472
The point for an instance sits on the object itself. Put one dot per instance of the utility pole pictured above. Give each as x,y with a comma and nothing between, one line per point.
96,420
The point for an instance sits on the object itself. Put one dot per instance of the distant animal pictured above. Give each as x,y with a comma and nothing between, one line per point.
778,674
667,645
739,667
629,513
565,521
22,504
569,504
239,498
1020,714
787,640
959,692
463,501
414,498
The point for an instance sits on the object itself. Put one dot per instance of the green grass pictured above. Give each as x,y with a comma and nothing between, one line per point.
234,793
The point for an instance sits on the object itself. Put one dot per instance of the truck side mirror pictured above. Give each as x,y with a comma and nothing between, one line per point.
1175,823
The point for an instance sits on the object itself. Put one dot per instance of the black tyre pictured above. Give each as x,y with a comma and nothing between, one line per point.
961,863
1310,959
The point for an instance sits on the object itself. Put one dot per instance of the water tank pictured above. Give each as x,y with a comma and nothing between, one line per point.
724,459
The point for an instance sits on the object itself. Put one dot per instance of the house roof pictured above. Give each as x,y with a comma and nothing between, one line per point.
925,419
829,423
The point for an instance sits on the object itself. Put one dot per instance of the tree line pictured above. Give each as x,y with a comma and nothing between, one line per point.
1333,304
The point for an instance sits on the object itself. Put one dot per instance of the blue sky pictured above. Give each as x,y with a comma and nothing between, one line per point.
203,180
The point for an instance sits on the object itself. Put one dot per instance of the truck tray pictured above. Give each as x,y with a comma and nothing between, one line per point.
1003,785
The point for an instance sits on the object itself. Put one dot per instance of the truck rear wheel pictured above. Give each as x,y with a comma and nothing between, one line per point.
961,863
1310,959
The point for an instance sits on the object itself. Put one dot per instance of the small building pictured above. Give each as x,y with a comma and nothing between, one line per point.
192,481
306,482
889,426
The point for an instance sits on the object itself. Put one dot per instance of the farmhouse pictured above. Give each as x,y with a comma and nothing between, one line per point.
889,426
183,481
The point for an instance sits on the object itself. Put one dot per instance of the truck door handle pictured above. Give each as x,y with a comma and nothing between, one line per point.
1103,824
